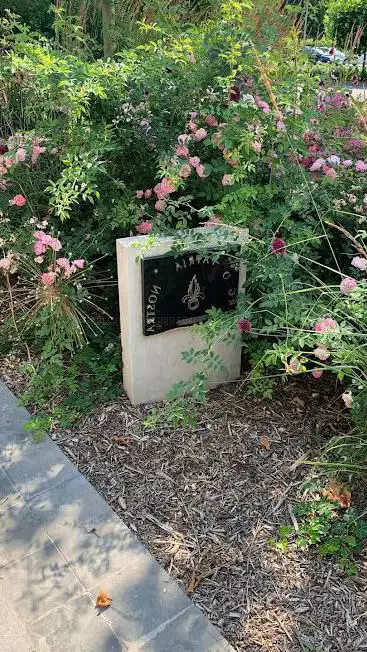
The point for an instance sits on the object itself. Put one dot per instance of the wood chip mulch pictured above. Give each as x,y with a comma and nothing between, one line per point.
206,501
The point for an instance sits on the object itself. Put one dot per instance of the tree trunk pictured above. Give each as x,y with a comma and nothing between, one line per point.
108,21
364,62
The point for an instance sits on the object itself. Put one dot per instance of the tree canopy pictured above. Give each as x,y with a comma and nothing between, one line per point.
346,23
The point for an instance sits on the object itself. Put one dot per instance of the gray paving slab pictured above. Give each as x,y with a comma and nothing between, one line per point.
14,633
20,532
14,440
87,531
189,632
76,626
59,542
38,583
44,467
144,598
8,494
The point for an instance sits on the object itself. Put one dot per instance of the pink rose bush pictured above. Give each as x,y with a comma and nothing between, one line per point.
18,200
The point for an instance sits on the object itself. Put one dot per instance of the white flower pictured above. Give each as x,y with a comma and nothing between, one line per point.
348,399
247,98
334,160
359,263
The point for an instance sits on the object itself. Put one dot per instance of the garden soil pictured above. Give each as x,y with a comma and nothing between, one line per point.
207,500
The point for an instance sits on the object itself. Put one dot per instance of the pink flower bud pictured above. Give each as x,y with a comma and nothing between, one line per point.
144,227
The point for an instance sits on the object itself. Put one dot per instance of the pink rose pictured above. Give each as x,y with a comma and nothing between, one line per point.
182,150
263,105
359,263
164,188
361,166
211,121
227,180
200,134
200,171
79,263
20,155
5,263
326,325
148,193
139,194
55,244
185,171
317,373
329,172
39,259
194,161
63,262
48,278
348,163
192,126
160,205
295,366
144,227
322,353
348,285
317,165
256,146
39,248
18,200
36,152
184,138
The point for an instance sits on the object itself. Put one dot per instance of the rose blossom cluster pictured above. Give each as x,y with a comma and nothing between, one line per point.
43,241
16,150
327,325
9,263
63,267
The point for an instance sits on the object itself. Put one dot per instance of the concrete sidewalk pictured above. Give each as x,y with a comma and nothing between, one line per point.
59,542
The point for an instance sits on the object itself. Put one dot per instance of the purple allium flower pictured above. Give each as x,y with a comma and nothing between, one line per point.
278,246
244,325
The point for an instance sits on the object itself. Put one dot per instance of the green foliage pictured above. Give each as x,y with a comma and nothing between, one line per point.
90,377
345,21
327,527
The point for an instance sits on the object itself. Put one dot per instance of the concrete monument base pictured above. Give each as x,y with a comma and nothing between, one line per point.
153,363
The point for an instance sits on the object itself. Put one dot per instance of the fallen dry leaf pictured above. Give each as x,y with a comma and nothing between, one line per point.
264,442
338,492
103,600
194,583
121,440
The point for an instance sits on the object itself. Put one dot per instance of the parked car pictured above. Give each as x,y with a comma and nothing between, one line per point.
325,55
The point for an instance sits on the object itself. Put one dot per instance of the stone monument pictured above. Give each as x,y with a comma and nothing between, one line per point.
161,296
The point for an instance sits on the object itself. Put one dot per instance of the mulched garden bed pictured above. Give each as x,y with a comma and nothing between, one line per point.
205,501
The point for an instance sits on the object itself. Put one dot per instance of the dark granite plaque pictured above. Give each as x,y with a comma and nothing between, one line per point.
177,291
